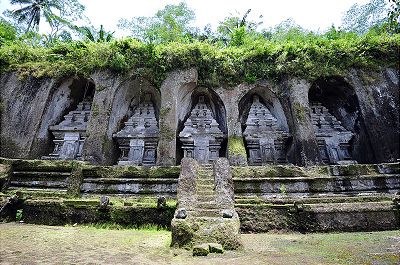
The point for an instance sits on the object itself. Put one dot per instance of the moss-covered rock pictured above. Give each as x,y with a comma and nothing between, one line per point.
237,151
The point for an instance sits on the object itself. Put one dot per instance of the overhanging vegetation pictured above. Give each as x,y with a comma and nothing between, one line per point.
306,57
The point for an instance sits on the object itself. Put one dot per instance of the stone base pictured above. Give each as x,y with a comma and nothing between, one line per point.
57,157
346,162
192,231
128,163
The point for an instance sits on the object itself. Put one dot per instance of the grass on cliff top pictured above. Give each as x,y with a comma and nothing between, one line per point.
308,56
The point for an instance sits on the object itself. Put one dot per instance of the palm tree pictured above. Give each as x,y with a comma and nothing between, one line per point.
231,23
93,36
34,10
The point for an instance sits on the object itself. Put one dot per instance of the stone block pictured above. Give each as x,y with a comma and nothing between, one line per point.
215,248
104,202
223,183
186,192
201,250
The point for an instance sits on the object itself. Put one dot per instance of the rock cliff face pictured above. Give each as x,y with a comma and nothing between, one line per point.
362,102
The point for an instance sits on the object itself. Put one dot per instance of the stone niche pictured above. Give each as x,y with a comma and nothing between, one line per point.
264,137
201,136
138,139
340,98
70,134
332,138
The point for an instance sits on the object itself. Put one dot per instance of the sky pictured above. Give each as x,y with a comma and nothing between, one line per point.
310,14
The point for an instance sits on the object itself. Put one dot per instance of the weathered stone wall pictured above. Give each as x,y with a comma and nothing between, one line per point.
350,180
254,218
368,108
23,104
378,96
319,217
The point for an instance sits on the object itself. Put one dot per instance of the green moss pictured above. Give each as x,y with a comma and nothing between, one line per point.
165,132
94,109
164,111
236,146
300,112
75,180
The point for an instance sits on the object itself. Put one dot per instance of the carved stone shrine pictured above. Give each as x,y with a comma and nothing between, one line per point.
265,140
333,139
138,139
70,134
201,138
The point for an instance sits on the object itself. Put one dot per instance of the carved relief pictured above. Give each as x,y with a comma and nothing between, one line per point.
265,140
333,139
70,134
138,139
201,137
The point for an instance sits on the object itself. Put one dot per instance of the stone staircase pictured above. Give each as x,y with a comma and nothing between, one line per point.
206,205
205,211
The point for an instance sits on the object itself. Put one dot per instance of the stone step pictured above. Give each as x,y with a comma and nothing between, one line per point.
206,171
205,198
210,205
205,186
41,189
207,213
205,192
205,181
204,177
34,174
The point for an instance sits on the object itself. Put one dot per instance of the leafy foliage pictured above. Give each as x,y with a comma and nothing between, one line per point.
60,15
7,31
233,22
363,18
168,24
93,35
394,16
165,42
302,55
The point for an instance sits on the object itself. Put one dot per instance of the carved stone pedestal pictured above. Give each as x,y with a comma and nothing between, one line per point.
265,140
70,134
138,139
201,138
333,139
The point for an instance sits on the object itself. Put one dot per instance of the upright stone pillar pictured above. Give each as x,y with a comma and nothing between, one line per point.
294,95
172,87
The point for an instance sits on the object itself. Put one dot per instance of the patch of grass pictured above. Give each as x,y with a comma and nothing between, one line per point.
115,226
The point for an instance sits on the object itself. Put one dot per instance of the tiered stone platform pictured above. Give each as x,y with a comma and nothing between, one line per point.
328,198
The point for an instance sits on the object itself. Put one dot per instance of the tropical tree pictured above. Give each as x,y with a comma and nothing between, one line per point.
7,31
64,21
33,10
362,18
234,29
233,22
394,16
60,15
166,25
91,34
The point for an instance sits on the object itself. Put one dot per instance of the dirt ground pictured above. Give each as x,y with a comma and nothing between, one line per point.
37,244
